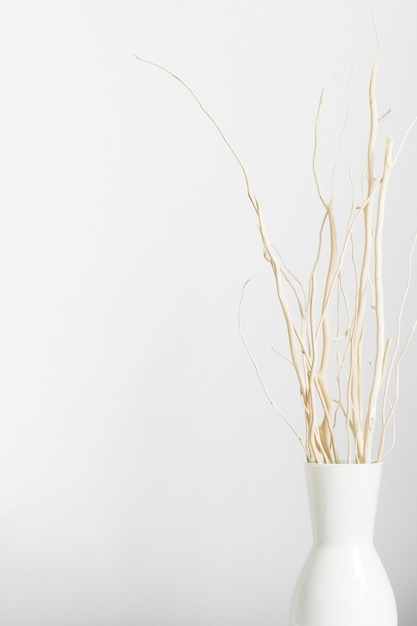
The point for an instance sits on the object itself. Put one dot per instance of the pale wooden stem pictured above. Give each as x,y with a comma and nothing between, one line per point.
326,427
321,380
293,335
291,279
342,136
312,420
316,134
404,139
356,352
315,443
258,372
395,359
397,382
379,308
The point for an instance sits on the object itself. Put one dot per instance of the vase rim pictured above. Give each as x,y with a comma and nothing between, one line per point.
344,464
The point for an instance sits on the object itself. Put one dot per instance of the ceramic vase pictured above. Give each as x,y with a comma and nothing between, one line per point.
343,582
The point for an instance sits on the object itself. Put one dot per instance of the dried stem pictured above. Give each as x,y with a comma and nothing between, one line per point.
257,370
379,308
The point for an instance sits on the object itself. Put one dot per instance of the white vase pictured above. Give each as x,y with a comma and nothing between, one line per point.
343,582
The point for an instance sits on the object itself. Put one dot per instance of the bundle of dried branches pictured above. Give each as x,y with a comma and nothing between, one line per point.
328,362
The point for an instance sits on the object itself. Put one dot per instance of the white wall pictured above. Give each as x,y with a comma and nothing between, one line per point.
144,478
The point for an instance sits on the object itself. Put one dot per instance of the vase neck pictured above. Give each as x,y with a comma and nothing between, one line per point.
343,502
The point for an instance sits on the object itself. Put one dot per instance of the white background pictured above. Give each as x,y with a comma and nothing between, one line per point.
144,477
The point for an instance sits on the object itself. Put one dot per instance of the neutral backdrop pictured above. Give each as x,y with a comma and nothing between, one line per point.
144,477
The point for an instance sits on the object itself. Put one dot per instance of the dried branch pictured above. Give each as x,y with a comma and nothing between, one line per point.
313,345
257,370
379,308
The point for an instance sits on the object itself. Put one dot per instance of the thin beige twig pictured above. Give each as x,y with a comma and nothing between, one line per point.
258,373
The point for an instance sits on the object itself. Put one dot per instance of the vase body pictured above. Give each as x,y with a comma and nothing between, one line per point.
343,582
